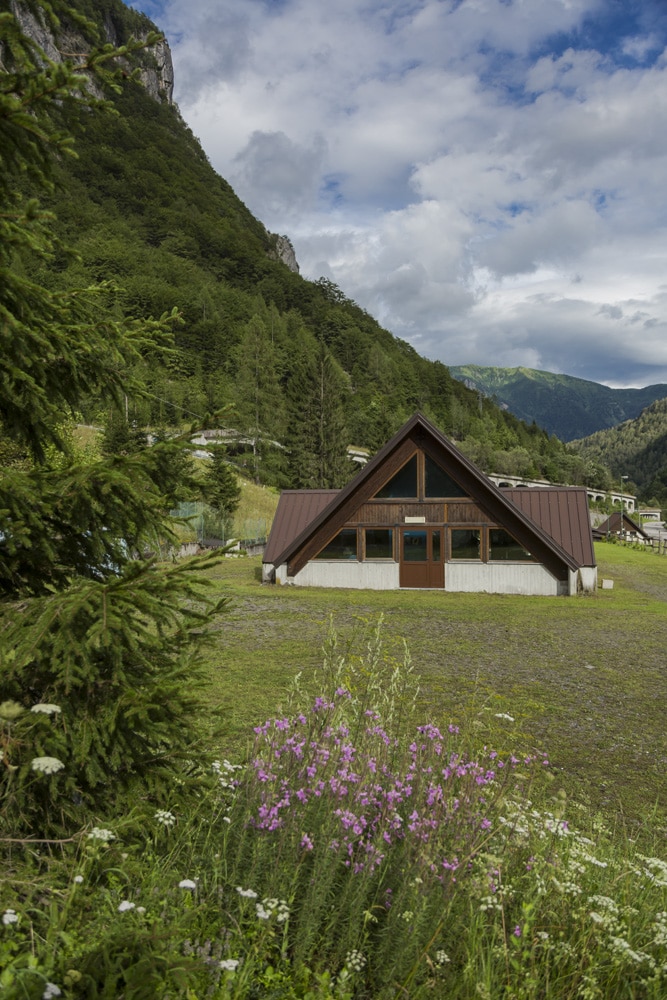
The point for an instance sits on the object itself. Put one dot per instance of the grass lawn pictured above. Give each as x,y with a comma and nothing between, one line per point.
585,679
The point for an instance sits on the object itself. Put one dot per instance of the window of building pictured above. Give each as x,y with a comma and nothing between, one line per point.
342,546
414,546
403,484
466,543
503,546
379,543
439,483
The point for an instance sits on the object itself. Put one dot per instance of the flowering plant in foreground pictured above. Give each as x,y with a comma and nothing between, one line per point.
369,832
356,854
428,862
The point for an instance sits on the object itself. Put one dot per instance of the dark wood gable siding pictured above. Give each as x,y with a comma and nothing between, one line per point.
367,487
384,513
497,510
464,513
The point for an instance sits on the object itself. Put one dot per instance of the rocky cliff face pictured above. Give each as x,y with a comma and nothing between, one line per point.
159,80
284,251
155,65
156,68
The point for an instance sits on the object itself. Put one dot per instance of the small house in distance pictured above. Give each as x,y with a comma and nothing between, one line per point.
620,525
420,514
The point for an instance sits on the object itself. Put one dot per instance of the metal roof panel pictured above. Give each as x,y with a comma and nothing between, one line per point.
295,511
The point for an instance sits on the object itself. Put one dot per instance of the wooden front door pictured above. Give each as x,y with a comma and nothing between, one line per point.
421,557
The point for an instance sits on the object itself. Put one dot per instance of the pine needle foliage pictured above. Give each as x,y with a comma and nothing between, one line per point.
99,646
117,658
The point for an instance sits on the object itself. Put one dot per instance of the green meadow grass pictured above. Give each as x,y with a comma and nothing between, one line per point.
326,857
585,679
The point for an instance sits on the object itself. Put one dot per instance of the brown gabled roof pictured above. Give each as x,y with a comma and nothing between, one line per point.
296,510
334,508
563,513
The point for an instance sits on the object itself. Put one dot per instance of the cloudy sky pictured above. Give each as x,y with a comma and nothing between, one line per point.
486,177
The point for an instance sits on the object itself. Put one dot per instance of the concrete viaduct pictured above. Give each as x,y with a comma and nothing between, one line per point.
616,496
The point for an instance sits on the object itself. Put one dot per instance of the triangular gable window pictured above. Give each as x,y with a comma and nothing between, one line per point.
403,484
439,483
503,546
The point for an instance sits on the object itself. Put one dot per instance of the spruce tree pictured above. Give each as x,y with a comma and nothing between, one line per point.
259,399
96,651
317,438
221,486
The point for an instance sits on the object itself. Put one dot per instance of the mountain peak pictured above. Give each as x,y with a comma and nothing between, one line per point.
564,405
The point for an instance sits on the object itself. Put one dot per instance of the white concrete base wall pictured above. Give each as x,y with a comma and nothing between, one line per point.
587,580
353,575
490,578
350,575
501,578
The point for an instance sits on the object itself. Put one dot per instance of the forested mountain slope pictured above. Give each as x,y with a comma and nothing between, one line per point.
636,449
294,365
563,405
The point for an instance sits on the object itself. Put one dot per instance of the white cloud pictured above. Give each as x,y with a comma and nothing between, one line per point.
281,176
486,195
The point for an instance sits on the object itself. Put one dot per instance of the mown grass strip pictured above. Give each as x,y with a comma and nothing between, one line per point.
584,679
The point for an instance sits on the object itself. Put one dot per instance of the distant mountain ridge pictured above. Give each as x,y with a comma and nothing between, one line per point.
563,405
635,450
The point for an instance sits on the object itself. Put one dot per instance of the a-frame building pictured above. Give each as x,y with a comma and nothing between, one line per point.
420,514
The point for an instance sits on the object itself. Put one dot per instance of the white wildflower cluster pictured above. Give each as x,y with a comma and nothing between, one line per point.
126,905
655,870
605,912
165,818
225,772
516,822
246,893
490,904
521,821
566,886
229,964
50,991
268,907
187,883
580,857
46,765
99,833
660,930
46,709
592,860
623,952
441,957
10,710
407,915
554,825
355,960
9,917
